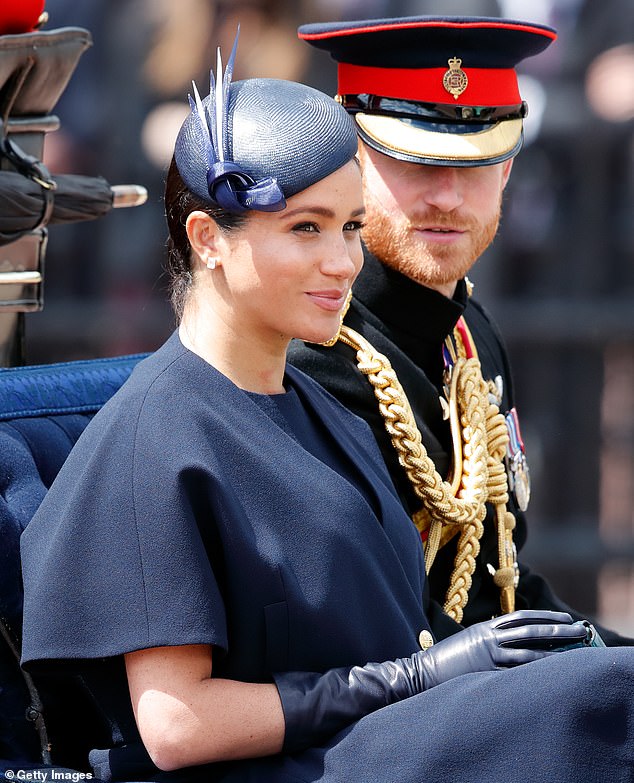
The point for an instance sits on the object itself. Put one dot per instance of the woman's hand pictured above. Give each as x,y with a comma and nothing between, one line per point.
318,705
500,643
186,717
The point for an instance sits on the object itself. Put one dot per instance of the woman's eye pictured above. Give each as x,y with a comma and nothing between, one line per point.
353,225
306,227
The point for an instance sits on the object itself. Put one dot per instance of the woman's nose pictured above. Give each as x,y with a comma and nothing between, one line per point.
338,259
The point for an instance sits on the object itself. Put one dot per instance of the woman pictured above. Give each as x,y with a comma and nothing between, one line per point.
223,556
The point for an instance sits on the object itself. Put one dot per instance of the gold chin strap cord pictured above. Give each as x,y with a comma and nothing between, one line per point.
478,476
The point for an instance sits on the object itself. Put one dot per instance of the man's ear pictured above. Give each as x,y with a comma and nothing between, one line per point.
204,234
506,171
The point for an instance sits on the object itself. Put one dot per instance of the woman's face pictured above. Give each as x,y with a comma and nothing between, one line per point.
287,274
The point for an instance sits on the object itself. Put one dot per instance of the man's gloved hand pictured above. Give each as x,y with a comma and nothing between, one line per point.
318,705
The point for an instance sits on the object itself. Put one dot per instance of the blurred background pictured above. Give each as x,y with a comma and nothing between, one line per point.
559,279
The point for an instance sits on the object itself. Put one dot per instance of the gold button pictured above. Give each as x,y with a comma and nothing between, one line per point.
425,639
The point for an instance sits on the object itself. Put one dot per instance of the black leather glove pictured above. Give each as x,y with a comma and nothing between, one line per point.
318,705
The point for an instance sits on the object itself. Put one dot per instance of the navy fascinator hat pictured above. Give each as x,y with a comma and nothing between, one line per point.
254,143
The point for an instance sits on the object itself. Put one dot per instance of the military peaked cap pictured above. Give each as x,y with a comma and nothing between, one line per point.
438,90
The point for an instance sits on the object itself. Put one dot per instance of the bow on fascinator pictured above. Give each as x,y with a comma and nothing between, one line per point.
229,186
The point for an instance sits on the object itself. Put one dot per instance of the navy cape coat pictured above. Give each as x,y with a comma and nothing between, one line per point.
191,513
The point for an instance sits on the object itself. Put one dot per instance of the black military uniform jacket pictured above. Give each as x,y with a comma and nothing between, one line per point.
408,323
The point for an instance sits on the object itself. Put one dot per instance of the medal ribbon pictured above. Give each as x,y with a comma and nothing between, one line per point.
516,444
465,336
461,330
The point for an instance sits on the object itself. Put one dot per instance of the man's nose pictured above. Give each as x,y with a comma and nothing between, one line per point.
443,188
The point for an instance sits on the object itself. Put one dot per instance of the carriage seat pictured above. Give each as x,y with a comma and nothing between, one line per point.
43,411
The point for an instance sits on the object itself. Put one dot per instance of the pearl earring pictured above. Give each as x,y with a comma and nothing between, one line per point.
211,263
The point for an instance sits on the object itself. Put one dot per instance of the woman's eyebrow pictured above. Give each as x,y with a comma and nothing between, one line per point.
319,210
314,210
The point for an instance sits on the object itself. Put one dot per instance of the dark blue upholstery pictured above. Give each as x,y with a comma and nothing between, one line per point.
68,387
43,410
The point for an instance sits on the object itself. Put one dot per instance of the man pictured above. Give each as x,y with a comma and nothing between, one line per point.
439,117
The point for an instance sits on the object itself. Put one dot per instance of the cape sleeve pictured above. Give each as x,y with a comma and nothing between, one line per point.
117,557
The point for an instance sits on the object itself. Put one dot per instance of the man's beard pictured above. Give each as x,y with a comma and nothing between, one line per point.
397,246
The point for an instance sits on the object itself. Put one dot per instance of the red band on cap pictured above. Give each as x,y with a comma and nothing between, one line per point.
486,86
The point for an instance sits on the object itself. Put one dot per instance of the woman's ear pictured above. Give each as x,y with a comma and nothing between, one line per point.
204,234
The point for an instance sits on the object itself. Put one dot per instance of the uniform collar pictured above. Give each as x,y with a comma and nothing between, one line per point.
406,306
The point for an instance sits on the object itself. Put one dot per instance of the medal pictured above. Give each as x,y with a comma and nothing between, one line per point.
518,472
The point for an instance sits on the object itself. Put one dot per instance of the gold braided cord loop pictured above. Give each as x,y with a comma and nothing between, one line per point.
505,575
497,495
439,499
460,583
480,438
474,405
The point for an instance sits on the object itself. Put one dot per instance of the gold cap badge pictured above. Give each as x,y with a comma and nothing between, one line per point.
455,80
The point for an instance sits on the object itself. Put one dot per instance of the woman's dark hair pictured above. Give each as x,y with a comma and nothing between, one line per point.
179,203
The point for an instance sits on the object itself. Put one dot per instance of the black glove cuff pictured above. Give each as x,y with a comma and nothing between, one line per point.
316,706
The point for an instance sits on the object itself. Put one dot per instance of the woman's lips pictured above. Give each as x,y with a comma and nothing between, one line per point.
328,300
